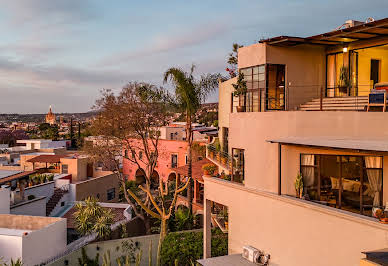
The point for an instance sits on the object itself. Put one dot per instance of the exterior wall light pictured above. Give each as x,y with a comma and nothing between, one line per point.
345,49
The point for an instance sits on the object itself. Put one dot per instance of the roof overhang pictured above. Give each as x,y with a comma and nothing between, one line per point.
355,145
365,31
18,176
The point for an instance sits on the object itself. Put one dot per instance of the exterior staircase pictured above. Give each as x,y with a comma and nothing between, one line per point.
54,200
357,103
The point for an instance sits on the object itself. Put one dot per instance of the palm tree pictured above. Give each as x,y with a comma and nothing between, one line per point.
190,93
90,217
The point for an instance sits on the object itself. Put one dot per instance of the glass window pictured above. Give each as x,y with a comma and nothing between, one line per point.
110,194
174,160
351,183
65,169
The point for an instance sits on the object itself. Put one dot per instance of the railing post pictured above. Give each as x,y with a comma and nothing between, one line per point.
321,99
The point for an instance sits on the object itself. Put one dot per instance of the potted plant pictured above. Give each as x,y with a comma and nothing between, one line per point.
223,160
209,169
344,80
240,89
299,186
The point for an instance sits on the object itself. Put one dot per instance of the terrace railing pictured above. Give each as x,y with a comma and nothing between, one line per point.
221,157
226,161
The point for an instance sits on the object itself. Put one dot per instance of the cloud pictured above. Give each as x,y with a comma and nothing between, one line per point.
171,42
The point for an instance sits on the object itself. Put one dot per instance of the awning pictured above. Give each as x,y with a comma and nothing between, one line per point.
235,260
336,143
365,31
46,159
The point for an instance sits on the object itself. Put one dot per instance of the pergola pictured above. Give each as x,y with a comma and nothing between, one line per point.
47,159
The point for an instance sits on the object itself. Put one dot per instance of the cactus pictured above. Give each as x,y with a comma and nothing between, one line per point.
106,259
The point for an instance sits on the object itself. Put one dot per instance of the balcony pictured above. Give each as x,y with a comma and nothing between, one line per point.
231,167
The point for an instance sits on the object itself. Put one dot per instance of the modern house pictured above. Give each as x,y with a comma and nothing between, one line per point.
305,113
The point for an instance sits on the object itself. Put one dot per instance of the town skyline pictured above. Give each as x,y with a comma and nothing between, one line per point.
62,54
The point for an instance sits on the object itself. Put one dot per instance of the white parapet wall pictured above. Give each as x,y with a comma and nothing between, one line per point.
32,239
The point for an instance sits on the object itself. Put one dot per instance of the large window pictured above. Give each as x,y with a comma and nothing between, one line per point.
266,88
65,169
174,160
352,183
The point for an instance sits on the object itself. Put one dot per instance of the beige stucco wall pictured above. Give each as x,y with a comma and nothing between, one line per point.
250,131
98,185
77,167
305,71
252,55
225,91
292,231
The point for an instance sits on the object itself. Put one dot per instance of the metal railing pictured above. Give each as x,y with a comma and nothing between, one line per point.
305,97
226,161
221,157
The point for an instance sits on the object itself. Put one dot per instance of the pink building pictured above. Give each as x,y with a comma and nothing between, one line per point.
172,154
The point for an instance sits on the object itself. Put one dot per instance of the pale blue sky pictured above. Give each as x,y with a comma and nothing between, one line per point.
61,53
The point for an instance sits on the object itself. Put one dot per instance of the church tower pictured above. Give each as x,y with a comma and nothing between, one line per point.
50,117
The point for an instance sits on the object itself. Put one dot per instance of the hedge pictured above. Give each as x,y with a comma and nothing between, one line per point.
187,247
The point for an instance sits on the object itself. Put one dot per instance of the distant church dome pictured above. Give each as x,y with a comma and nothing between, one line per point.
50,117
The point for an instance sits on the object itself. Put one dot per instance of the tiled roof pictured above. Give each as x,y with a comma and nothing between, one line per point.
197,171
46,159
118,215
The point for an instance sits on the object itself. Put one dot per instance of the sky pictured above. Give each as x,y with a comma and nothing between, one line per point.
63,52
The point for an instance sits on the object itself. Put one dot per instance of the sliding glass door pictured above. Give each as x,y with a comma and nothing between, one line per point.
352,183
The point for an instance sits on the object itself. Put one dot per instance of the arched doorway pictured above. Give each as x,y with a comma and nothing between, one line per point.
140,177
154,180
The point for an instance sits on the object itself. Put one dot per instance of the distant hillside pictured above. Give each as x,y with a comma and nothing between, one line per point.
39,118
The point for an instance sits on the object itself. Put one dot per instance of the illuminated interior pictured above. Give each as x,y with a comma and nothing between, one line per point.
365,67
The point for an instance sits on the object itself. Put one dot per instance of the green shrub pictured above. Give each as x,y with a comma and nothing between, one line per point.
187,247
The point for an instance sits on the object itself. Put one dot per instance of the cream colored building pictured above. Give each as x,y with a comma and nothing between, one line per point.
340,150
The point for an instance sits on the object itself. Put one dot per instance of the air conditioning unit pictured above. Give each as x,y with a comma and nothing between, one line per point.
255,255
250,253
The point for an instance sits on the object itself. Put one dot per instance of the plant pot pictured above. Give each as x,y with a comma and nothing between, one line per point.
240,109
218,157
205,172
226,225
223,160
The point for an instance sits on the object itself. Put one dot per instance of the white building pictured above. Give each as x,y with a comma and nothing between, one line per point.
30,238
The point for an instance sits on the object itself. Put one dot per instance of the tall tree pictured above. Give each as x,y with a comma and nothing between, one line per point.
130,122
190,93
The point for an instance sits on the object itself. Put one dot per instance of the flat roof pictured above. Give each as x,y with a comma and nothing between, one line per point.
235,259
365,31
7,173
10,223
366,145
